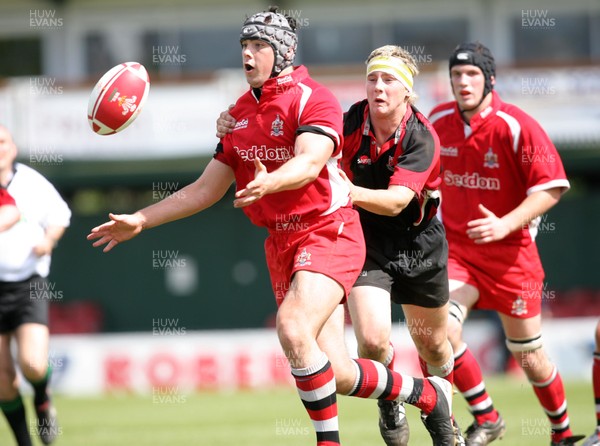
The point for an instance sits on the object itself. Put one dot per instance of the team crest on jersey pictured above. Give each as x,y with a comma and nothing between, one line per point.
490,159
391,164
519,307
303,258
277,126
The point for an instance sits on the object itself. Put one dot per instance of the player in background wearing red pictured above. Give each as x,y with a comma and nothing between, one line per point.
283,155
9,214
391,158
594,439
501,173
25,252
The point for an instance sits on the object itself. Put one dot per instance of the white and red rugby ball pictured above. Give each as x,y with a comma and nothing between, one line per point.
118,98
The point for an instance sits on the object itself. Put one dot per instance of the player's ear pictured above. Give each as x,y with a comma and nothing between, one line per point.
493,80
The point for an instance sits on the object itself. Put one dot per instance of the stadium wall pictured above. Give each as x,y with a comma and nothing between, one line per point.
172,360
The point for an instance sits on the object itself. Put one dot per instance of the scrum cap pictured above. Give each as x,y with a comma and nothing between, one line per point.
278,31
477,54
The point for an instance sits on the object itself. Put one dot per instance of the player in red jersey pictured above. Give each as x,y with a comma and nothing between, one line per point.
9,214
501,173
283,155
594,439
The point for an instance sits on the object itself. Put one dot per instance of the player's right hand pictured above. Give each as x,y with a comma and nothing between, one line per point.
225,123
120,228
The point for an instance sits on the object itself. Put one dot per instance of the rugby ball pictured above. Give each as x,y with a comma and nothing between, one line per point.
118,98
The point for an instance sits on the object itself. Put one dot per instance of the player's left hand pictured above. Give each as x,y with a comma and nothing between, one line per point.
255,189
351,185
491,228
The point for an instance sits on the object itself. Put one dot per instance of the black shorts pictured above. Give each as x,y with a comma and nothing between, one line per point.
412,265
23,302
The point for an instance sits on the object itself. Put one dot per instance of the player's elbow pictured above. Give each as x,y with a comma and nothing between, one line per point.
395,209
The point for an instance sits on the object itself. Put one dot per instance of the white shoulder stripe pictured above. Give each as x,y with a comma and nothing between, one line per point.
306,93
440,114
515,128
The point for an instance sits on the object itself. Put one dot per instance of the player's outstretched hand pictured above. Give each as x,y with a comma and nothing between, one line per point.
255,189
225,123
119,229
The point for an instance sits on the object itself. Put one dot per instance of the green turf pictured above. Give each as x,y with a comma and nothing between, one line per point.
270,418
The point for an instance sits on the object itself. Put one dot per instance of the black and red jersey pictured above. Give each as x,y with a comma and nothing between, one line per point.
410,158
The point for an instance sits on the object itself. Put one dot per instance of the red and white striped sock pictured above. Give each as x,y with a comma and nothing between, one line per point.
551,394
468,379
316,387
376,381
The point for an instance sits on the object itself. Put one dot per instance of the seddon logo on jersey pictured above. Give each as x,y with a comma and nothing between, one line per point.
471,181
277,154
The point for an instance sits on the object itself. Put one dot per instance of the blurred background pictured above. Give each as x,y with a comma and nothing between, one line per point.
174,303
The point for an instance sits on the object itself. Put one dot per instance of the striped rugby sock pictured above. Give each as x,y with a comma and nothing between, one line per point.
468,379
551,394
375,381
316,387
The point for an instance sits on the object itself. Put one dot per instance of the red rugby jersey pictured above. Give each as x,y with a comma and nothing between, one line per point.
266,128
500,158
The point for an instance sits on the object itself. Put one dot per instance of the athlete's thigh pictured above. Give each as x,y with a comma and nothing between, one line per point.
32,343
370,309
463,294
426,322
311,299
517,328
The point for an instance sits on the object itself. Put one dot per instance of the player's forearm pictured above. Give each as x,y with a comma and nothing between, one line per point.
54,233
295,173
388,202
181,204
195,197
535,205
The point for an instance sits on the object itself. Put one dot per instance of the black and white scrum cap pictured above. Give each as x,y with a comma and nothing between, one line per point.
278,31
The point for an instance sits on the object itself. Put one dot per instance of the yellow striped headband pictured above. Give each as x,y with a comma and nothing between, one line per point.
393,66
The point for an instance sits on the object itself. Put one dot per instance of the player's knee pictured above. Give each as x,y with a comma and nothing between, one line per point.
528,352
34,370
292,336
433,348
455,324
374,347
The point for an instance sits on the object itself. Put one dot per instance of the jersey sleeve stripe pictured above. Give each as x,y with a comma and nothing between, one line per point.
550,185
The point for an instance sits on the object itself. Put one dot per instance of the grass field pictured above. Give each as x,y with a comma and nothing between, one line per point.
269,418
